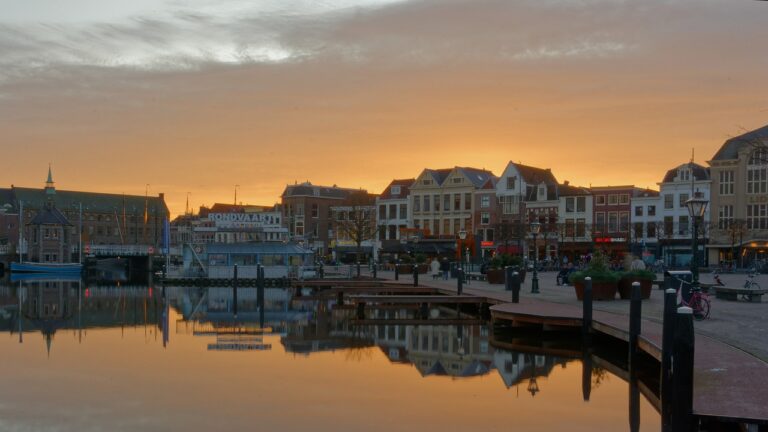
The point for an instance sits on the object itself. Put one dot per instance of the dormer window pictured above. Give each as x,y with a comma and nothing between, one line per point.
457,180
684,175
426,182
542,193
394,190
512,182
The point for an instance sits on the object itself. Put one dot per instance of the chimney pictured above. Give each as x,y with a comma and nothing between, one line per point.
162,196
566,182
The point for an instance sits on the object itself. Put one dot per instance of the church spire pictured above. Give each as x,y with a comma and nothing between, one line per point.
50,189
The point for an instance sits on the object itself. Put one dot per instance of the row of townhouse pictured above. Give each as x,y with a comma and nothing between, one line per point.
429,213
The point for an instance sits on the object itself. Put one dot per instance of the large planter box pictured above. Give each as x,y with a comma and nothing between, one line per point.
495,276
625,288
600,290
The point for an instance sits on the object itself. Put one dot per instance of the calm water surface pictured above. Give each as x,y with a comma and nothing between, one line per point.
92,357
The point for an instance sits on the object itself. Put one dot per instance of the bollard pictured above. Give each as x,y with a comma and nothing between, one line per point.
459,281
260,286
361,310
234,291
415,275
322,271
682,368
374,271
586,313
397,271
424,310
358,269
515,287
667,339
635,313
508,272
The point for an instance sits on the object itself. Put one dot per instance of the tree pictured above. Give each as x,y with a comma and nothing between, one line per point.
356,221
736,230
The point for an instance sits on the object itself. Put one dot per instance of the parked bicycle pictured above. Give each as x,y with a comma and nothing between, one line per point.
699,301
750,284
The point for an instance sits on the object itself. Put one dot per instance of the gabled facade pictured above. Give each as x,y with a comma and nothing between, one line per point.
574,217
393,209
739,204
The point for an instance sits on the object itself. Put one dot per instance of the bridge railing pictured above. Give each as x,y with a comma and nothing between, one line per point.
123,250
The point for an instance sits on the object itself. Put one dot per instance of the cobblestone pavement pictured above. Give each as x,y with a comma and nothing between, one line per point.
738,323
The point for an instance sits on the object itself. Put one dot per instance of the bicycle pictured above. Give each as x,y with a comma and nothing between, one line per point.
750,284
699,301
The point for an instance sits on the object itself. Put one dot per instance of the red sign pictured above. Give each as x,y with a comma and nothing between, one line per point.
486,244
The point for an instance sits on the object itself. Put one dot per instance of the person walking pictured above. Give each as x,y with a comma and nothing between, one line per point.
445,267
435,268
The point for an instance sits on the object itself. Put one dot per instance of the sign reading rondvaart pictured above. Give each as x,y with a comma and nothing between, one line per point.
246,220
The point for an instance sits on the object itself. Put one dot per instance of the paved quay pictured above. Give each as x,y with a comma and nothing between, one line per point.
731,369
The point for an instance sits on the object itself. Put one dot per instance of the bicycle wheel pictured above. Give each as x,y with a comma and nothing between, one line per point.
700,306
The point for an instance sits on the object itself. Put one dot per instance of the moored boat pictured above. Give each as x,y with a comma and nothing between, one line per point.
51,268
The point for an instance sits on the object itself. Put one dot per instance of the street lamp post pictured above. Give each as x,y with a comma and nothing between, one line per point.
535,229
697,206
462,237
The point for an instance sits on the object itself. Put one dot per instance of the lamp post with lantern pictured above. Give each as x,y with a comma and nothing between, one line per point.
535,229
697,207
462,237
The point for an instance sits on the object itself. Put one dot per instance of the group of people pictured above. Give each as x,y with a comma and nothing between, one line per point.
440,268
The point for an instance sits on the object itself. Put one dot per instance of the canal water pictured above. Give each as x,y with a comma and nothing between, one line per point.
115,357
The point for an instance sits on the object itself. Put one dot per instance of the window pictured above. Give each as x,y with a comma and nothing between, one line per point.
569,228
599,200
638,210
403,211
726,182
669,227
458,180
757,216
684,175
669,201
651,210
624,199
600,221
392,232
447,202
683,198
315,210
394,190
427,203
299,228
485,218
542,195
510,204
446,226
613,199
436,199
638,230
416,203
581,227
467,201
457,201
511,182
682,225
417,223
426,182
724,216
569,205
581,204
456,226
757,179
485,201
651,227
489,234
624,221
393,211
613,222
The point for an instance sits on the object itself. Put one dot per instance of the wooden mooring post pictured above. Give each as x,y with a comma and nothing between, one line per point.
635,314
415,275
459,281
667,339
234,291
397,271
586,313
682,371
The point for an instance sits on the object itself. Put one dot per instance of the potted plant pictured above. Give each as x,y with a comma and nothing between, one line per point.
421,260
405,264
495,273
645,277
604,281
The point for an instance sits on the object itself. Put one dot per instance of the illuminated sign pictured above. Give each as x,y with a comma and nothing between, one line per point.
245,220
486,244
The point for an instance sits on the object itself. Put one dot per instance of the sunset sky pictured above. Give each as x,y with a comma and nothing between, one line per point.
197,96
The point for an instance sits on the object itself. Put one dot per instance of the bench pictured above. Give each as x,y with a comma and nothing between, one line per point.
732,293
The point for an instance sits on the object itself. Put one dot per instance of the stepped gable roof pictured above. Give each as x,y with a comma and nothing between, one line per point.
534,175
50,215
405,189
699,172
566,189
477,176
731,148
310,190
93,202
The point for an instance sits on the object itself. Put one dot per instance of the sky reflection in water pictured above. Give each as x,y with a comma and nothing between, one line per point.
108,369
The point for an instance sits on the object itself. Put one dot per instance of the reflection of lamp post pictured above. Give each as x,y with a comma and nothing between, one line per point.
535,229
533,386
697,206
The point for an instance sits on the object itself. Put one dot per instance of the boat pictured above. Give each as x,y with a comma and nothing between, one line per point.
40,277
50,268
